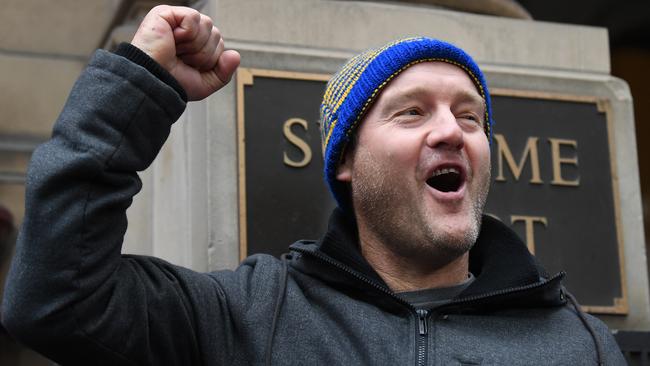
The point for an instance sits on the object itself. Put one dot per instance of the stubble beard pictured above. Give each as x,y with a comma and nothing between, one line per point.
404,227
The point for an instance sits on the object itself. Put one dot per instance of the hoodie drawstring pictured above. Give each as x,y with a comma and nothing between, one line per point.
278,305
592,331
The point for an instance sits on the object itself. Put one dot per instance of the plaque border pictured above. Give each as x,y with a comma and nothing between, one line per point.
603,105
245,77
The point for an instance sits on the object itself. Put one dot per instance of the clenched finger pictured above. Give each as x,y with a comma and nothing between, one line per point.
187,24
201,36
207,57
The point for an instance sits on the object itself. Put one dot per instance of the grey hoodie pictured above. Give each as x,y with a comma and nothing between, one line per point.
73,297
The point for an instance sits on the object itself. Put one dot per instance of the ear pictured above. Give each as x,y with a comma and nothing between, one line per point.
344,170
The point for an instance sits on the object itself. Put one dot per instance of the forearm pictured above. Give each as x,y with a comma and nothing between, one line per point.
79,185
70,294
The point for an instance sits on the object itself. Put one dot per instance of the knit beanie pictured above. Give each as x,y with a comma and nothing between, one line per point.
351,92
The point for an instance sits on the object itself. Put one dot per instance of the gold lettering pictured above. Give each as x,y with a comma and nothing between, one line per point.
516,169
559,160
297,142
529,222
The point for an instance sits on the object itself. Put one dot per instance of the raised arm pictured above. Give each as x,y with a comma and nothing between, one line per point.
70,294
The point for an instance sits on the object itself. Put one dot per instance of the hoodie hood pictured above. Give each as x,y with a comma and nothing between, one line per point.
507,275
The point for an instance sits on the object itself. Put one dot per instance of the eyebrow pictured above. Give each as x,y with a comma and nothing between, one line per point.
403,96
475,99
414,93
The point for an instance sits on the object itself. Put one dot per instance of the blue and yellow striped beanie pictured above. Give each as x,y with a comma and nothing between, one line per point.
350,93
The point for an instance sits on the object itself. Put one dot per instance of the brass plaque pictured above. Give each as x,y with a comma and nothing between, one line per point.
553,177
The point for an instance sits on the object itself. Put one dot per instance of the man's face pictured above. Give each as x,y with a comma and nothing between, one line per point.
420,169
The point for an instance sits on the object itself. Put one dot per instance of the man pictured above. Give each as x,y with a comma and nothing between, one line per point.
409,271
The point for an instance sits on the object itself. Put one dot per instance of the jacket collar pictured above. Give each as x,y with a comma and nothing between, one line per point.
499,260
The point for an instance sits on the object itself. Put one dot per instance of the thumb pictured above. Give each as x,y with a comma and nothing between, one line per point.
226,65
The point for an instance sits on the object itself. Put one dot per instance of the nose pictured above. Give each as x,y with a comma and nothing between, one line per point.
445,132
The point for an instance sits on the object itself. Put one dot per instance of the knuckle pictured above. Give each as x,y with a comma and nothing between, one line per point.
217,33
195,15
160,8
206,21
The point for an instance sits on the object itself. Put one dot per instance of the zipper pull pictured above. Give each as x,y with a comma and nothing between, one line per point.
422,320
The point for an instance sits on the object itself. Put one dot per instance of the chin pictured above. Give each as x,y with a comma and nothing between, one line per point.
456,236
438,251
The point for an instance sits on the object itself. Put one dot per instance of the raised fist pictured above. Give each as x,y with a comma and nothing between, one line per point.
187,44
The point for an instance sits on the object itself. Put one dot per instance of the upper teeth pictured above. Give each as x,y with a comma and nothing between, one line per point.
438,172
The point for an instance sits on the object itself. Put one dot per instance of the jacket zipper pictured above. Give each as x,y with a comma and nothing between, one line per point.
421,314
422,340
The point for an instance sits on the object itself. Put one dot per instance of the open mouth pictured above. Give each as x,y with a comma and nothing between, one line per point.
447,179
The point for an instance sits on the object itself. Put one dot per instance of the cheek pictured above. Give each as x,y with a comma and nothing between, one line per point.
380,149
480,155
399,147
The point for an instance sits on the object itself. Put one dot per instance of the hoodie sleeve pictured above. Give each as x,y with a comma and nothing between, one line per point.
70,294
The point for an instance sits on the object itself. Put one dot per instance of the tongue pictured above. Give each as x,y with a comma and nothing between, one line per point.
448,182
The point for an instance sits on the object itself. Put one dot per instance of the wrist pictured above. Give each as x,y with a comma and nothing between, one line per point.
138,56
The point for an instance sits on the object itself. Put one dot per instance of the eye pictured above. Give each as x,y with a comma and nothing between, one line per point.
410,112
471,117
